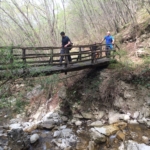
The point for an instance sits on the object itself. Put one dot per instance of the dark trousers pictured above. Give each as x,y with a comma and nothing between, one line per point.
63,51
108,51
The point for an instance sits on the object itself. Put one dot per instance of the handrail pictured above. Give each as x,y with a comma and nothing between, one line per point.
93,53
48,47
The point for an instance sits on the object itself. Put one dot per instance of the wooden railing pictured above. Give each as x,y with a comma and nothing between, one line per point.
25,57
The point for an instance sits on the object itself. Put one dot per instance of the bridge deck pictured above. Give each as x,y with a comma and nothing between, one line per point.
78,66
48,70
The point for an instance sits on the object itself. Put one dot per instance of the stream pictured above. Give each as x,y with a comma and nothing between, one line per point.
132,132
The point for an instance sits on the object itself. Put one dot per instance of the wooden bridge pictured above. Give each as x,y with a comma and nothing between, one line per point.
34,61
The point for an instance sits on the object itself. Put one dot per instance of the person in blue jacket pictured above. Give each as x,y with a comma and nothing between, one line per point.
109,40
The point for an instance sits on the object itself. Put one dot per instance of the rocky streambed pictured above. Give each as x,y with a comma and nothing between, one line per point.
57,132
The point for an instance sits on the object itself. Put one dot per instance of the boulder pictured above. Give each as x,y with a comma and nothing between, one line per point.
1,148
114,117
34,138
107,130
48,124
57,134
133,121
15,121
126,117
136,114
66,133
77,116
15,126
120,125
131,145
96,136
30,128
18,140
87,115
96,124
120,135
91,145
99,115
145,140
78,123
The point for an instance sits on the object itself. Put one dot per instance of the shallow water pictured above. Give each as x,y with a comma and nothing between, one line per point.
132,132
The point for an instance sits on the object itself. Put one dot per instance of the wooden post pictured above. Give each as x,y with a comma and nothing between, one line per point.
92,55
51,57
11,56
79,53
24,59
100,51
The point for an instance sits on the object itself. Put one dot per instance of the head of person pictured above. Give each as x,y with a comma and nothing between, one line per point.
62,33
108,32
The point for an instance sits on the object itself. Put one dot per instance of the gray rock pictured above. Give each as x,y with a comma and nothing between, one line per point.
99,115
114,117
96,124
1,148
87,115
136,114
48,124
126,117
52,115
78,116
78,123
145,140
91,145
57,134
133,122
64,118
148,123
34,138
5,148
17,139
15,126
96,136
131,145
15,121
63,127
107,130
66,133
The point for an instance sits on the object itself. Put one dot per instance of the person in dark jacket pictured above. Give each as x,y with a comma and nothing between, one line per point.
65,43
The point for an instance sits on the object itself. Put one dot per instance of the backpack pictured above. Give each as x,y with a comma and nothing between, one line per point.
70,46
